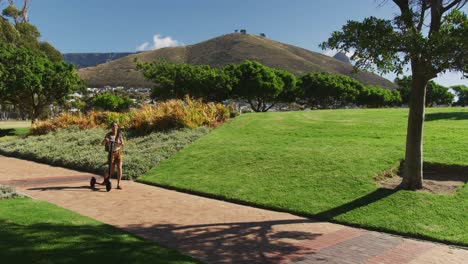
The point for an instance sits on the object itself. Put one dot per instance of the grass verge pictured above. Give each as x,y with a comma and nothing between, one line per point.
32,231
322,164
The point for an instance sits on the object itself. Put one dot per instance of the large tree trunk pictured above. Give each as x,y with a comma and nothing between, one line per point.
413,166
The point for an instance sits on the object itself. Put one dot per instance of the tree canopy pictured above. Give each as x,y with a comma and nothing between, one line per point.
462,93
16,30
32,82
260,85
110,102
436,94
177,80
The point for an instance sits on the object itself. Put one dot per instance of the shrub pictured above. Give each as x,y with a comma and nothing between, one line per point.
78,149
110,102
8,192
164,116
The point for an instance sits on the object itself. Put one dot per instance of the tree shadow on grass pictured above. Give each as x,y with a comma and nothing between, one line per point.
365,200
233,242
56,243
7,132
446,116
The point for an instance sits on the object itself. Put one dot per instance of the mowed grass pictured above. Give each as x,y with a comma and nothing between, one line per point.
37,232
322,164
14,128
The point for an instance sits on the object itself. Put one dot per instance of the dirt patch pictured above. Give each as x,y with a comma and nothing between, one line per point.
444,180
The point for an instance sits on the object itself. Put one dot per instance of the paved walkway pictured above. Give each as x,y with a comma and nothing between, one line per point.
215,231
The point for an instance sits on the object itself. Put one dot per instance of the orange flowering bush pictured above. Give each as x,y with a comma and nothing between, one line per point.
171,114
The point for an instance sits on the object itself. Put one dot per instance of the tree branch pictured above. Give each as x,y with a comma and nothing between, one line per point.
406,13
458,3
251,104
24,11
421,16
266,110
436,15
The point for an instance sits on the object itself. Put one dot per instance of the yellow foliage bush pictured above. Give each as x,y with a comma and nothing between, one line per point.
171,114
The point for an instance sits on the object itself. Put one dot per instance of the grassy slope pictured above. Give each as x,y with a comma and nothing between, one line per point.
321,163
37,232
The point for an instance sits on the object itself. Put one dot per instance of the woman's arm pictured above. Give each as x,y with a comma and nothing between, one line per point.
105,140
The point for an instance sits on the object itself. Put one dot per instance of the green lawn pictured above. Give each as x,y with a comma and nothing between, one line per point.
37,232
322,164
14,128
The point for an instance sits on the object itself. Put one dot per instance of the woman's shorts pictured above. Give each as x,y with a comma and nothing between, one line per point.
117,157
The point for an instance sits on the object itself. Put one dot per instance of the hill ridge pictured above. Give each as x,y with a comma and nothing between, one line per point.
220,51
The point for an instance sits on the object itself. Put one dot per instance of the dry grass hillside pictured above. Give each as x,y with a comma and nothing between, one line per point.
226,49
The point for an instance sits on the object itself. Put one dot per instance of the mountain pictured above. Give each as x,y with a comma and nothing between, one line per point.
223,50
342,57
83,60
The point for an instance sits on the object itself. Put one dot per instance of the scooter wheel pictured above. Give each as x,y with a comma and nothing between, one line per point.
92,182
108,185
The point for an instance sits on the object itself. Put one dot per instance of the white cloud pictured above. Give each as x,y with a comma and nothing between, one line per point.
158,43
143,46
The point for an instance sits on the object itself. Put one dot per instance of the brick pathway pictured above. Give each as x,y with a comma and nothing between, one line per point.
215,231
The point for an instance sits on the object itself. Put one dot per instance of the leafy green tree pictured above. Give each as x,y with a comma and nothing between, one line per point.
323,90
16,30
257,83
32,82
461,92
404,87
430,36
50,51
290,90
436,94
374,96
109,102
178,80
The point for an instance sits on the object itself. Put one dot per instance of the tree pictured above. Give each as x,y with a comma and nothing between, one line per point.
16,30
323,90
178,80
374,96
404,87
290,90
430,36
32,82
109,102
257,83
436,94
462,93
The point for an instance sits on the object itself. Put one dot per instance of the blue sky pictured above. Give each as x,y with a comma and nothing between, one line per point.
124,25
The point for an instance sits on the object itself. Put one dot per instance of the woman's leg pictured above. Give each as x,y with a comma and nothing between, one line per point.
119,172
